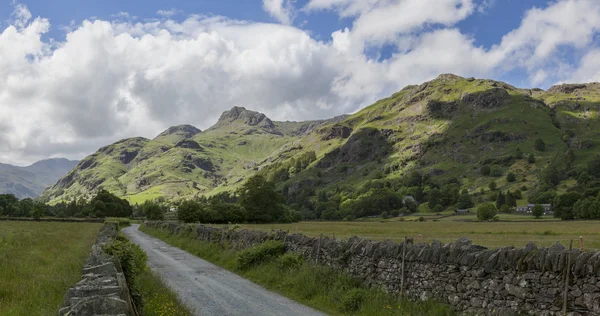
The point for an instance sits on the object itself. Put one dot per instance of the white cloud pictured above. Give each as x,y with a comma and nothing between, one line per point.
109,80
168,13
281,10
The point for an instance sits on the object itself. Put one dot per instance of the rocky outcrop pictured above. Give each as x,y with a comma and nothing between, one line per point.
488,99
335,131
247,117
470,278
102,289
186,131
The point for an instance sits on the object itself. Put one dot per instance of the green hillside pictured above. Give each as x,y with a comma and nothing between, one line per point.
446,129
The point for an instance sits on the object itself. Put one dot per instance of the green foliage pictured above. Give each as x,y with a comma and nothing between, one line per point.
500,200
531,158
434,197
353,300
505,209
492,185
107,204
120,221
485,170
153,211
486,212
290,261
594,167
540,145
371,203
464,201
261,201
133,261
518,153
385,215
496,171
511,199
250,257
564,206
438,208
188,211
511,177
537,211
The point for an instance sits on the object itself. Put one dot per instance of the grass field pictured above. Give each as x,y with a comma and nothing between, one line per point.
39,262
489,234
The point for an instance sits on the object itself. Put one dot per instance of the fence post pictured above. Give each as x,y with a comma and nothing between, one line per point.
581,243
319,249
402,275
286,234
568,271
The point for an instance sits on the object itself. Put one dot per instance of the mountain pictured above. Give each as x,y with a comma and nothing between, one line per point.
30,182
446,129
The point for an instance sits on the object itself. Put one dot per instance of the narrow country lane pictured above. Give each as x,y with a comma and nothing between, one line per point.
209,289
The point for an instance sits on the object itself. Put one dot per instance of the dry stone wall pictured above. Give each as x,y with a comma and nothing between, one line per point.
471,278
102,289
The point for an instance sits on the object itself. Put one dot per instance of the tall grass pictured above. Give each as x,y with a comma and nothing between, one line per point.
321,287
39,262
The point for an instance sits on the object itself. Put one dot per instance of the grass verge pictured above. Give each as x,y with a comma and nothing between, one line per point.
321,287
39,262
148,291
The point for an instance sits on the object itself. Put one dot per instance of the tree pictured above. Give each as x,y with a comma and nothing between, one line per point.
551,175
594,166
188,211
385,215
505,209
434,197
493,185
153,211
540,145
260,199
511,177
486,212
518,153
584,179
99,208
537,211
464,201
563,205
500,200
511,200
38,211
531,158
438,209
485,170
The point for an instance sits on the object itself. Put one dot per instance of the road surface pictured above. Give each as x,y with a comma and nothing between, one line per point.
209,289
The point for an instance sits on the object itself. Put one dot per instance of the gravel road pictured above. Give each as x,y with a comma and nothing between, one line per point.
209,289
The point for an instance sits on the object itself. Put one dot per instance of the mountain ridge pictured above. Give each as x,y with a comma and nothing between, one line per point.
445,128
30,181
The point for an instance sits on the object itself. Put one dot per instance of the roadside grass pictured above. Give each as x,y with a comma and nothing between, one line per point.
157,298
39,262
148,291
489,234
321,287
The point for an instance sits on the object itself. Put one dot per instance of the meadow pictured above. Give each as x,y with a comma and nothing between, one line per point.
512,230
39,262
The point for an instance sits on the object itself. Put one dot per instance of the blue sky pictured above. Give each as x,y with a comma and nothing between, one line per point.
76,75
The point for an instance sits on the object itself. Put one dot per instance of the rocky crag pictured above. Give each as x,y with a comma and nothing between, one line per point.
471,278
103,289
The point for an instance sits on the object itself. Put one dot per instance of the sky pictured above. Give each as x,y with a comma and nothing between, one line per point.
76,75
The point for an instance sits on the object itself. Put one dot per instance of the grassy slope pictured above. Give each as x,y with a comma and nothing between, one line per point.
39,263
453,144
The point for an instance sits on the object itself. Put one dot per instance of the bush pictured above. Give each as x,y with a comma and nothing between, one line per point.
496,171
493,185
385,215
540,145
353,300
485,170
290,261
486,212
421,219
438,209
537,211
132,259
121,221
531,158
511,177
260,253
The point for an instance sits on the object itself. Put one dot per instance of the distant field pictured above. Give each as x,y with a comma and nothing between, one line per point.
39,262
490,234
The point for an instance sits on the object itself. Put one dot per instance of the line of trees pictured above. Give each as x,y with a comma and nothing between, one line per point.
257,201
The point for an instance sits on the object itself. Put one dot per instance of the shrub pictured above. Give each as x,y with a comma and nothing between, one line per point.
496,171
353,300
290,261
385,215
540,145
132,259
537,211
421,219
485,170
511,177
505,209
486,212
531,158
493,185
260,253
121,221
